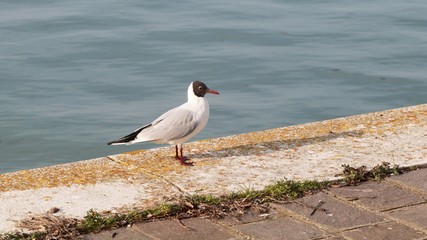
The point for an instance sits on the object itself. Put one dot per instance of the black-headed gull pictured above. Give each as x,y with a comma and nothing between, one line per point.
177,125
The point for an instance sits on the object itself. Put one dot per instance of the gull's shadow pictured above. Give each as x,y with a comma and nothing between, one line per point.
262,147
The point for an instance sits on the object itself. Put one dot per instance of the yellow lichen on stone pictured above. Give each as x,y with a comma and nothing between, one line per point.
85,172
156,163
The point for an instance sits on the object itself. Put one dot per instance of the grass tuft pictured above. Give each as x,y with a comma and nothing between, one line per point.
204,199
95,221
354,176
382,171
289,190
23,236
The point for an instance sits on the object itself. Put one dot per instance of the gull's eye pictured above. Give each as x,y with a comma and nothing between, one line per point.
200,88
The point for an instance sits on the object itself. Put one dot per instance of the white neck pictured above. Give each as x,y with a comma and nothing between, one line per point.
191,96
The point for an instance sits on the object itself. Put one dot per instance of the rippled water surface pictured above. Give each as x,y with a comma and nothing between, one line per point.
77,74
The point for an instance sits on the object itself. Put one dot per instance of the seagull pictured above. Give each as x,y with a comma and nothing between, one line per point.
177,125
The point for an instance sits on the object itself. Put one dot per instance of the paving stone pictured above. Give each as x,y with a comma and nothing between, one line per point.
194,228
249,217
379,196
389,231
339,215
280,228
333,238
416,179
117,234
415,215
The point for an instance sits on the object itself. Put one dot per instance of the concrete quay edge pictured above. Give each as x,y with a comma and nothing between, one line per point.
256,159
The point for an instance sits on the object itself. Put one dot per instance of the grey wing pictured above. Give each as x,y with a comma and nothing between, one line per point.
174,124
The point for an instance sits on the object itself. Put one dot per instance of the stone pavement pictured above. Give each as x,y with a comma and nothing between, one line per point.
395,208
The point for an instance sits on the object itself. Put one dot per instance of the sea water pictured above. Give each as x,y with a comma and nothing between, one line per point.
77,74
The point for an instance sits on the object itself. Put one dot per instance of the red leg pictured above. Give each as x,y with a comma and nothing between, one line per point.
183,159
176,153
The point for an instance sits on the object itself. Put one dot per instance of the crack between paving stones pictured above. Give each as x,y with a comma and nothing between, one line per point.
363,207
383,214
342,230
149,173
402,207
406,187
233,230
408,224
145,234
306,219
331,229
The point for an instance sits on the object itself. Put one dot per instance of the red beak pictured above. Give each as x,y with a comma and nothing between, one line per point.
212,91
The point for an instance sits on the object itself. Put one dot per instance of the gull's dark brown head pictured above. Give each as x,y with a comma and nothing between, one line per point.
200,89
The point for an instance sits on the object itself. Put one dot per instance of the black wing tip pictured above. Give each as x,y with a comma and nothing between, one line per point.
128,138
122,140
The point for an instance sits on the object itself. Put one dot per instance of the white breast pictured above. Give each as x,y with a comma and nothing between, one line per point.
200,107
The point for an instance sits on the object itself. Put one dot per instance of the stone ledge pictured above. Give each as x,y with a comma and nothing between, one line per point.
143,178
